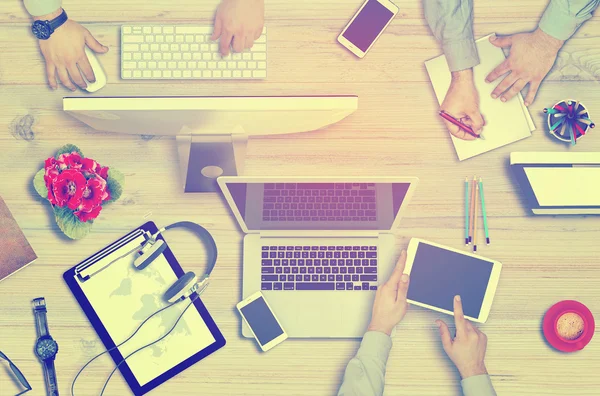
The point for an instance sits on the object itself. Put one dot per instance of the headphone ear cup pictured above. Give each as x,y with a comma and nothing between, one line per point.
149,256
181,288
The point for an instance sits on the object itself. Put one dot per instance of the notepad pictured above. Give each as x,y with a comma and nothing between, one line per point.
15,251
506,122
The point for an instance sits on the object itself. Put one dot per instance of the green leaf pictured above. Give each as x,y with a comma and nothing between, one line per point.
115,184
68,148
40,184
70,225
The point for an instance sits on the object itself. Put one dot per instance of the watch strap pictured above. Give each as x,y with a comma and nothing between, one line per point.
59,20
41,321
50,377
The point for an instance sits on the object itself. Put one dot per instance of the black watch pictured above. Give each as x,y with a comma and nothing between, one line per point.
44,29
45,347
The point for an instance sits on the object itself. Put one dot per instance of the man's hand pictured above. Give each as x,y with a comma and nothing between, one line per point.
390,304
238,23
467,350
65,55
462,103
531,58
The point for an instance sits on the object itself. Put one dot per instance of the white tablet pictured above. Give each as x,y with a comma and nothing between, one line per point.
438,273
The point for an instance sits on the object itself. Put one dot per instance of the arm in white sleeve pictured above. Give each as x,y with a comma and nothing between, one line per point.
478,385
563,17
451,22
365,373
42,7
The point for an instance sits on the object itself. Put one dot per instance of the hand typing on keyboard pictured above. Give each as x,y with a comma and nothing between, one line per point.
390,304
65,56
238,23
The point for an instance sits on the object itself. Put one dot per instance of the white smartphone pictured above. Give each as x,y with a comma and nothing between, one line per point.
262,321
438,273
366,26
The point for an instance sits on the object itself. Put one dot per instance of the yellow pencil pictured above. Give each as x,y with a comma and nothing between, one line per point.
475,219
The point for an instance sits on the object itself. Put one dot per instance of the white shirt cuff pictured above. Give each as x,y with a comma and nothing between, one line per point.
42,7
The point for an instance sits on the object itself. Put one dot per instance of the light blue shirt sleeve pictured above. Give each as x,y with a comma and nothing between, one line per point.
365,373
451,22
563,17
41,7
478,385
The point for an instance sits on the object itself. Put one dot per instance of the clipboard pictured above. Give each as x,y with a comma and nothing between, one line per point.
116,312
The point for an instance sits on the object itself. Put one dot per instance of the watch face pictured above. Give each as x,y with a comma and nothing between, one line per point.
41,29
46,348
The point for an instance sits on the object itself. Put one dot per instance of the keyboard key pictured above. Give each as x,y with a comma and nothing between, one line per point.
268,278
315,286
372,287
365,286
370,270
268,270
266,286
340,286
133,39
349,286
368,278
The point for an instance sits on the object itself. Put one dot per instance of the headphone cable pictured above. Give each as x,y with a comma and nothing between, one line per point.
129,338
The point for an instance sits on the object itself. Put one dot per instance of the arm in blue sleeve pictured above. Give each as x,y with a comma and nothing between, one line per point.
451,22
41,7
365,373
563,17
478,385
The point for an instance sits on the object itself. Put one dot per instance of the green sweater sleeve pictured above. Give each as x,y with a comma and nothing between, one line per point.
563,17
42,7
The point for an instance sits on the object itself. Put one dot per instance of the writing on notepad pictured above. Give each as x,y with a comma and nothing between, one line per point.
506,122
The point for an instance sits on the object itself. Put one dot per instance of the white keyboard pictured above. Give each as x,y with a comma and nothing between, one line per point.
186,52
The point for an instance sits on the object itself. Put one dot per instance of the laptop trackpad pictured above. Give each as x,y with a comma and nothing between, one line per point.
341,314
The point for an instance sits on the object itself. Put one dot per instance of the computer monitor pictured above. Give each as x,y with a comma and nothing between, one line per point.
211,132
559,183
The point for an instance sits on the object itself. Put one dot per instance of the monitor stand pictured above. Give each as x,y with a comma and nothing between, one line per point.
203,158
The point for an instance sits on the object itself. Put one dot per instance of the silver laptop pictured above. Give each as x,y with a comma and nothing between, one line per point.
318,247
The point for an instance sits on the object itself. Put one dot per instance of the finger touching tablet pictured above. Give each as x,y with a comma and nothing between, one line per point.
438,273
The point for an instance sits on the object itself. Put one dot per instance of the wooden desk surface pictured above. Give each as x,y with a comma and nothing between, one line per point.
394,132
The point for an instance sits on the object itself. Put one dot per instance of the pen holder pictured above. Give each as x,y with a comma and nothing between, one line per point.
568,120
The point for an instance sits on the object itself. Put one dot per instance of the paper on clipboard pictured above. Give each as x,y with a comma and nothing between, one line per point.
123,296
506,122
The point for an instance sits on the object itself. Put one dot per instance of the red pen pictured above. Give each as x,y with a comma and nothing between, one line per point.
459,124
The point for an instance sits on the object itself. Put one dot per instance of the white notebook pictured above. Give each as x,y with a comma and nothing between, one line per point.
505,122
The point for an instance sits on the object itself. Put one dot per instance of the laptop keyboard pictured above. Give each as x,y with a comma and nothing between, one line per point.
319,202
319,268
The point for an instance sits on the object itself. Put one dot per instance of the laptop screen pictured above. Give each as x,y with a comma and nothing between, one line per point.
318,206
565,186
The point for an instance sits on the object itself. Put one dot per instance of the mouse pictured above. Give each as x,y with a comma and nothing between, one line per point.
98,72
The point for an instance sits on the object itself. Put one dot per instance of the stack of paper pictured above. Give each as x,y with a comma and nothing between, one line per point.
506,122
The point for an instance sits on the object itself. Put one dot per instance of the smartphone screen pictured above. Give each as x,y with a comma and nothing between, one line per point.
367,25
261,321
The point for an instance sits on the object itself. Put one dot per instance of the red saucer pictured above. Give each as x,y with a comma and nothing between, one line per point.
549,325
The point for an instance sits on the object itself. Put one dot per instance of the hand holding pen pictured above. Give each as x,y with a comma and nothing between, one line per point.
460,107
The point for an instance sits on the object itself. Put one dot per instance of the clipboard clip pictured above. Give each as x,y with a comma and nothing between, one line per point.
96,263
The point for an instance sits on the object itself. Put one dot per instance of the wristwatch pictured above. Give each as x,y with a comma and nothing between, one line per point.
44,29
45,347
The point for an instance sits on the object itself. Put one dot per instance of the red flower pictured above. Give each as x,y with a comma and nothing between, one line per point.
51,163
50,177
85,216
93,194
88,166
68,188
102,171
70,161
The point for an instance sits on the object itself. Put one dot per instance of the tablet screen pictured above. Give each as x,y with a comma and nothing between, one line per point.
438,275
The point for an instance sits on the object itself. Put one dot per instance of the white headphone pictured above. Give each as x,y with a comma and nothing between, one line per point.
189,283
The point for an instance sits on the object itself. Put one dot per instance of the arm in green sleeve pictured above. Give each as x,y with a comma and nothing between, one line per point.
365,373
563,17
478,385
451,22
42,7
